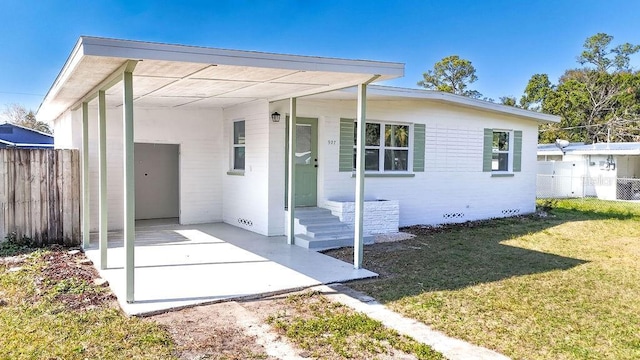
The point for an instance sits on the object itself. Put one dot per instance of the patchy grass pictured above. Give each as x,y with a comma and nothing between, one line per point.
562,287
331,330
50,309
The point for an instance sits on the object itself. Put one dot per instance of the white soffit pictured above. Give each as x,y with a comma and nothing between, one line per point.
175,73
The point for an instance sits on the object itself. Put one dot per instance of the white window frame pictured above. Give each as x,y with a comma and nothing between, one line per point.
235,145
382,147
509,152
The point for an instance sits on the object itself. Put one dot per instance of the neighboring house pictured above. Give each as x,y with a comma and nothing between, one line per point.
16,136
210,128
608,171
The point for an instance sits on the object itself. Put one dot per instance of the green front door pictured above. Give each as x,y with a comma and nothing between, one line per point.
306,161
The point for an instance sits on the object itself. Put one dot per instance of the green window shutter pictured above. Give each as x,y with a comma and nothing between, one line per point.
488,150
418,147
517,151
346,145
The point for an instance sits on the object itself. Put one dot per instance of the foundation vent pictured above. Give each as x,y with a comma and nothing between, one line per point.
245,222
457,215
510,212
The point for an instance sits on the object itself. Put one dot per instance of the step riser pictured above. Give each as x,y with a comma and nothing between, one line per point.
318,229
328,244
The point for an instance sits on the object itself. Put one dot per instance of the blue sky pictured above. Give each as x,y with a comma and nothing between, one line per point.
507,41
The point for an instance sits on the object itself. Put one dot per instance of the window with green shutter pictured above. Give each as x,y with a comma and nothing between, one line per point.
387,146
502,151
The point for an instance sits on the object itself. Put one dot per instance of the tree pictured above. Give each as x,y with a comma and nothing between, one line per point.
597,103
597,52
509,101
451,74
536,92
17,114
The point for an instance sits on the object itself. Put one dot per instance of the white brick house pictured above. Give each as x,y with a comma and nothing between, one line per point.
438,157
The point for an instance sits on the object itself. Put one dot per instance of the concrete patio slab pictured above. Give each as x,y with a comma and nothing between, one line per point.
178,266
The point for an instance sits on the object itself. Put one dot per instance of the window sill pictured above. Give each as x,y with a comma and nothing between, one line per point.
502,174
386,175
236,172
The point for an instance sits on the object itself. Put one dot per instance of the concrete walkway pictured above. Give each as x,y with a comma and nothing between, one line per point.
451,348
178,266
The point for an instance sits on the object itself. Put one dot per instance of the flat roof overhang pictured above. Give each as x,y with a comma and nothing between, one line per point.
198,77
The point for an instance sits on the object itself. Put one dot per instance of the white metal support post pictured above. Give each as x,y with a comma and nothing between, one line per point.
359,211
129,184
85,175
102,176
291,199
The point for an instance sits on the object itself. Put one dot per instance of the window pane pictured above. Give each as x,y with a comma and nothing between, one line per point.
500,141
500,162
238,158
238,132
396,160
372,135
396,135
303,144
371,159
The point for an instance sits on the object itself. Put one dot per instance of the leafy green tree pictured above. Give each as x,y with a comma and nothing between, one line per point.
451,74
597,51
509,101
596,103
19,115
536,92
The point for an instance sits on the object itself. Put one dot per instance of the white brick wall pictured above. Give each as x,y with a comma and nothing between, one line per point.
196,131
246,198
380,216
453,188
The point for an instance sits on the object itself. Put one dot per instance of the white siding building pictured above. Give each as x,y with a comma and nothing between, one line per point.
435,157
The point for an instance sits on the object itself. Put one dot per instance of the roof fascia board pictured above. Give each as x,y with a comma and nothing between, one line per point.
462,100
34,145
550,152
72,61
605,152
156,51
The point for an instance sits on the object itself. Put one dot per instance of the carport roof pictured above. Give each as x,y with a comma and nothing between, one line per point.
178,75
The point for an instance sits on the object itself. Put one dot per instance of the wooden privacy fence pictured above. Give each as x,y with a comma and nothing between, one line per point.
40,195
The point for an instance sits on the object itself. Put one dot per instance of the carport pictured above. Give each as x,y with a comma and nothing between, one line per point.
125,75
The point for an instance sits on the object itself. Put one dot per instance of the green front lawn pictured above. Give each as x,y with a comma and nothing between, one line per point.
566,286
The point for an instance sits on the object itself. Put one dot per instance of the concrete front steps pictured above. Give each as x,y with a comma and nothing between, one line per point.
318,229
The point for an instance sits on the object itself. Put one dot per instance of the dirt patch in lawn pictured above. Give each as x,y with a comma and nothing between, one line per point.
69,276
210,332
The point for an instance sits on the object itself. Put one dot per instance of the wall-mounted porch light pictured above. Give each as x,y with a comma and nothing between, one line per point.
275,117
